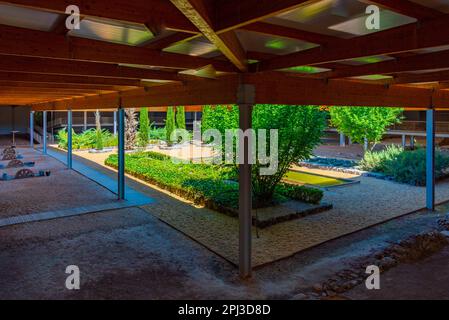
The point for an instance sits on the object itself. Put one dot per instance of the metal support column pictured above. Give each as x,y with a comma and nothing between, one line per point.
115,123
44,132
430,159
32,129
404,141
121,154
245,197
69,139
342,140
412,142
85,121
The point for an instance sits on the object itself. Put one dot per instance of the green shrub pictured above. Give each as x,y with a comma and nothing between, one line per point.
180,117
99,139
169,125
204,184
89,139
300,193
157,133
143,135
376,161
405,166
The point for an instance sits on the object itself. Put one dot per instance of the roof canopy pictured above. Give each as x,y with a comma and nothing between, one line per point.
186,52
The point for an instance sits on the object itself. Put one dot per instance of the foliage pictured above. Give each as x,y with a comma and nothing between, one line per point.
143,135
299,131
359,123
406,166
180,117
86,140
204,184
130,128
157,133
376,161
169,125
301,193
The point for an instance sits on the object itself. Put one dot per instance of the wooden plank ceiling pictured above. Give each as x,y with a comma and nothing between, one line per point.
186,52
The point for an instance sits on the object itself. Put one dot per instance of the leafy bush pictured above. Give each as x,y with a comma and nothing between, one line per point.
299,131
203,184
405,166
143,135
157,133
86,140
169,125
180,117
300,193
376,161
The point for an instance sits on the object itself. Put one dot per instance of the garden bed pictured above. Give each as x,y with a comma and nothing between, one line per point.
213,186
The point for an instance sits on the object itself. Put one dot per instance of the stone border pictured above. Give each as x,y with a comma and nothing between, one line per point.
411,249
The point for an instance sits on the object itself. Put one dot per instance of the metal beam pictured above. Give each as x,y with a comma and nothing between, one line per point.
121,154
31,129
245,197
69,139
430,159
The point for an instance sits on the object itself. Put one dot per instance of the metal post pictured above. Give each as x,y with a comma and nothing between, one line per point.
69,139
115,123
32,129
245,197
412,142
342,140
430,159
404,142
121,154
44,131
85,121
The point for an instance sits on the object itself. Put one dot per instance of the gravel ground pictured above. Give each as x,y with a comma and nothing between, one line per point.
129,254
63,189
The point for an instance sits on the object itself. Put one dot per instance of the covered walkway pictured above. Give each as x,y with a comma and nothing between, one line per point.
198,52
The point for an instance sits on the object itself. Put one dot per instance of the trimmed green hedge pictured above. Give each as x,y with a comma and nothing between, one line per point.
209,185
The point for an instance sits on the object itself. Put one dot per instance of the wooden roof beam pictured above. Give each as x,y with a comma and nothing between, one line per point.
138,11
409,8
432,33
85,68
233,14
199,13
19,41
428,61
286,32
62,79
422,77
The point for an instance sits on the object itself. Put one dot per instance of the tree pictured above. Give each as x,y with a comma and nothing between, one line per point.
180,118
144,127
130,128
99,135
364,123
299,131
170,125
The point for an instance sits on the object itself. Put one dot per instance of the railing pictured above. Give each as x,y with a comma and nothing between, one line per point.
419,126
79,122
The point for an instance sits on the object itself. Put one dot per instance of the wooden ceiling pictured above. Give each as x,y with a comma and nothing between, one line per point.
406,65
